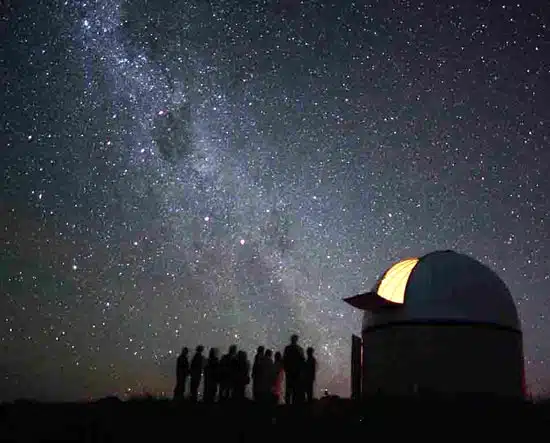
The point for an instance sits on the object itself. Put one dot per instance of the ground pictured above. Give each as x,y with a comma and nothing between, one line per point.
327,419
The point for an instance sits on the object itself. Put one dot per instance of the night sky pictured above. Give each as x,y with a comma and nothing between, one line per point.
216,172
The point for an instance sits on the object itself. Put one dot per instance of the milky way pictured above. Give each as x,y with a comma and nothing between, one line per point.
183,173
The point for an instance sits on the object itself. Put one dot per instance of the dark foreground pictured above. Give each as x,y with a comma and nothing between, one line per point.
325,420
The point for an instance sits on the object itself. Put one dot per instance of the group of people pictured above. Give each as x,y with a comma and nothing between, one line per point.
227,377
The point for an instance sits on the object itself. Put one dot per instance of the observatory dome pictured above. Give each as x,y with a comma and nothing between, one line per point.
440,286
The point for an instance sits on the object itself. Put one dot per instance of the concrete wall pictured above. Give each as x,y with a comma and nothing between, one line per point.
456,358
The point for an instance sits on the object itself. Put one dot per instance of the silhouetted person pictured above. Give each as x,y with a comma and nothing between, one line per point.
310,369
226,373
242,375
235,375
293,359
278,370
265,378
182,372
197,365
257,372
211,376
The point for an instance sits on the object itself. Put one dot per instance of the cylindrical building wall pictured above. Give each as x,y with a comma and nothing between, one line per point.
445,358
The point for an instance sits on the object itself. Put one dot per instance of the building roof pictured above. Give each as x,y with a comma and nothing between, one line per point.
442,285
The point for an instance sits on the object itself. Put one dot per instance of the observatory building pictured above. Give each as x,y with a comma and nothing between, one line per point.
442,323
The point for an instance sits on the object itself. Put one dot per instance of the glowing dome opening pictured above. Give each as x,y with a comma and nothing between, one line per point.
393,284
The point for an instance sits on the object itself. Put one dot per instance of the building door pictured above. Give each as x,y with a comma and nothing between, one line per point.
356,366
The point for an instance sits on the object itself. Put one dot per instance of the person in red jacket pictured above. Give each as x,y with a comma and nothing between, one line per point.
279,374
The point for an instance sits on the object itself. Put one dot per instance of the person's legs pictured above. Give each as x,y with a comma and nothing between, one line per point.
240,392
194,389
288,390
298,392
309,392
255,393
294,390
223,391
184,386
215,391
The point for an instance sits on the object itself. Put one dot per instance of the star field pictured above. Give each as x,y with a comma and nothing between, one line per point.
183,173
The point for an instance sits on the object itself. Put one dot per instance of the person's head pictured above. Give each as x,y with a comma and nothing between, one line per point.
268,353
232,349
294,339
260,350
241,355
199,349
184,350
309,352
213,353
278,356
